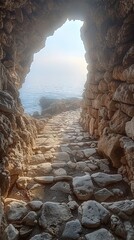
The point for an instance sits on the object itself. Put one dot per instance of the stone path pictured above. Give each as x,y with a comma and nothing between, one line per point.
68,190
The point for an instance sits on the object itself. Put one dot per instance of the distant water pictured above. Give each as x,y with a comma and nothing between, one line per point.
58,70
30,94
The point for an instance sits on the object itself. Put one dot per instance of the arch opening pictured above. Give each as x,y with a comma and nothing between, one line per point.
58,71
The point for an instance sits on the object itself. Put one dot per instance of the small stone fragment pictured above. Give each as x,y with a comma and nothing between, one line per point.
83,187
25,231
100,234
15,211
35,205
60,172
30,219
62,187
103,195
11,233
42,236
118,227
93,214
72,230
44,179
104,179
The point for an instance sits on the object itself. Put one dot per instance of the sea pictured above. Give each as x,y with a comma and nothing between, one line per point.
30,93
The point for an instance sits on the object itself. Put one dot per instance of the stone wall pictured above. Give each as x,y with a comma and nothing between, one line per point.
108,98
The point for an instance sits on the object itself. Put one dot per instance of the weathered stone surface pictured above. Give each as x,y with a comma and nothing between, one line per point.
53,214
100,235
44,179
11,233
72,230
109,145
103,195
122,208
15,211
124,94
129,128
93,214
89,152
104,179
61,187
118,121
83,187
36,192
30,219
118,227
42,236
35,205
7,103
25,231
62,156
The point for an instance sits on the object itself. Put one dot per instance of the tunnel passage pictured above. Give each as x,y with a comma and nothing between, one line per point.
108,98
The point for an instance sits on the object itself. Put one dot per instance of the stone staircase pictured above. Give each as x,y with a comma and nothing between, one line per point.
68,190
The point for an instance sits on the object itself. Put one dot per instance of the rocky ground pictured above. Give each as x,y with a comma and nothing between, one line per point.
68,191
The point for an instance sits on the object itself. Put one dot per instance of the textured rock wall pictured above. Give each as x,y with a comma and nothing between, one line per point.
108,98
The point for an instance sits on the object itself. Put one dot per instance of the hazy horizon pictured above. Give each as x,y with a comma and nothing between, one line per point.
58,70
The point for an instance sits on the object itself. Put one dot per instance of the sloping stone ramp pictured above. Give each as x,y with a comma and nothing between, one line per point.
68,190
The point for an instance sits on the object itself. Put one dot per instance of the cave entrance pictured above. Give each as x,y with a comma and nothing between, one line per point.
58,70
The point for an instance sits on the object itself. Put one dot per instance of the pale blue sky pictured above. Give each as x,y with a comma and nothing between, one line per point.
60,66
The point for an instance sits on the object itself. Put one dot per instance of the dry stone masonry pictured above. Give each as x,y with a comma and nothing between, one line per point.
107,115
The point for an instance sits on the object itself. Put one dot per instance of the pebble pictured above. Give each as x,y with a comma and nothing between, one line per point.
60,172
35,205
93,214
102,195
42,236
15,211
72,230
61,187
100,234
89,152
104,179
118,227
25,231
30,219
62,157
53,214
44,179
83,187
11,233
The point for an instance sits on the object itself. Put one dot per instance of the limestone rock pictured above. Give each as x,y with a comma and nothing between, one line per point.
60,172
35,205
124,94
93,214
53,214
7,103
118,121
62,157
100,235
11,233
89,152
104,179
36,192
83,187
30,219
42,236
103,195
130,128
122,208
15,211
25,231
118,227
44,179
72,230
61,187
109,145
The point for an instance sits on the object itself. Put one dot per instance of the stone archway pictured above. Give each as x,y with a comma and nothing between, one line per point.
108,98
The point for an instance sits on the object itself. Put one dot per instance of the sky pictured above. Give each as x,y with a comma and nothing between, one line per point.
60,66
